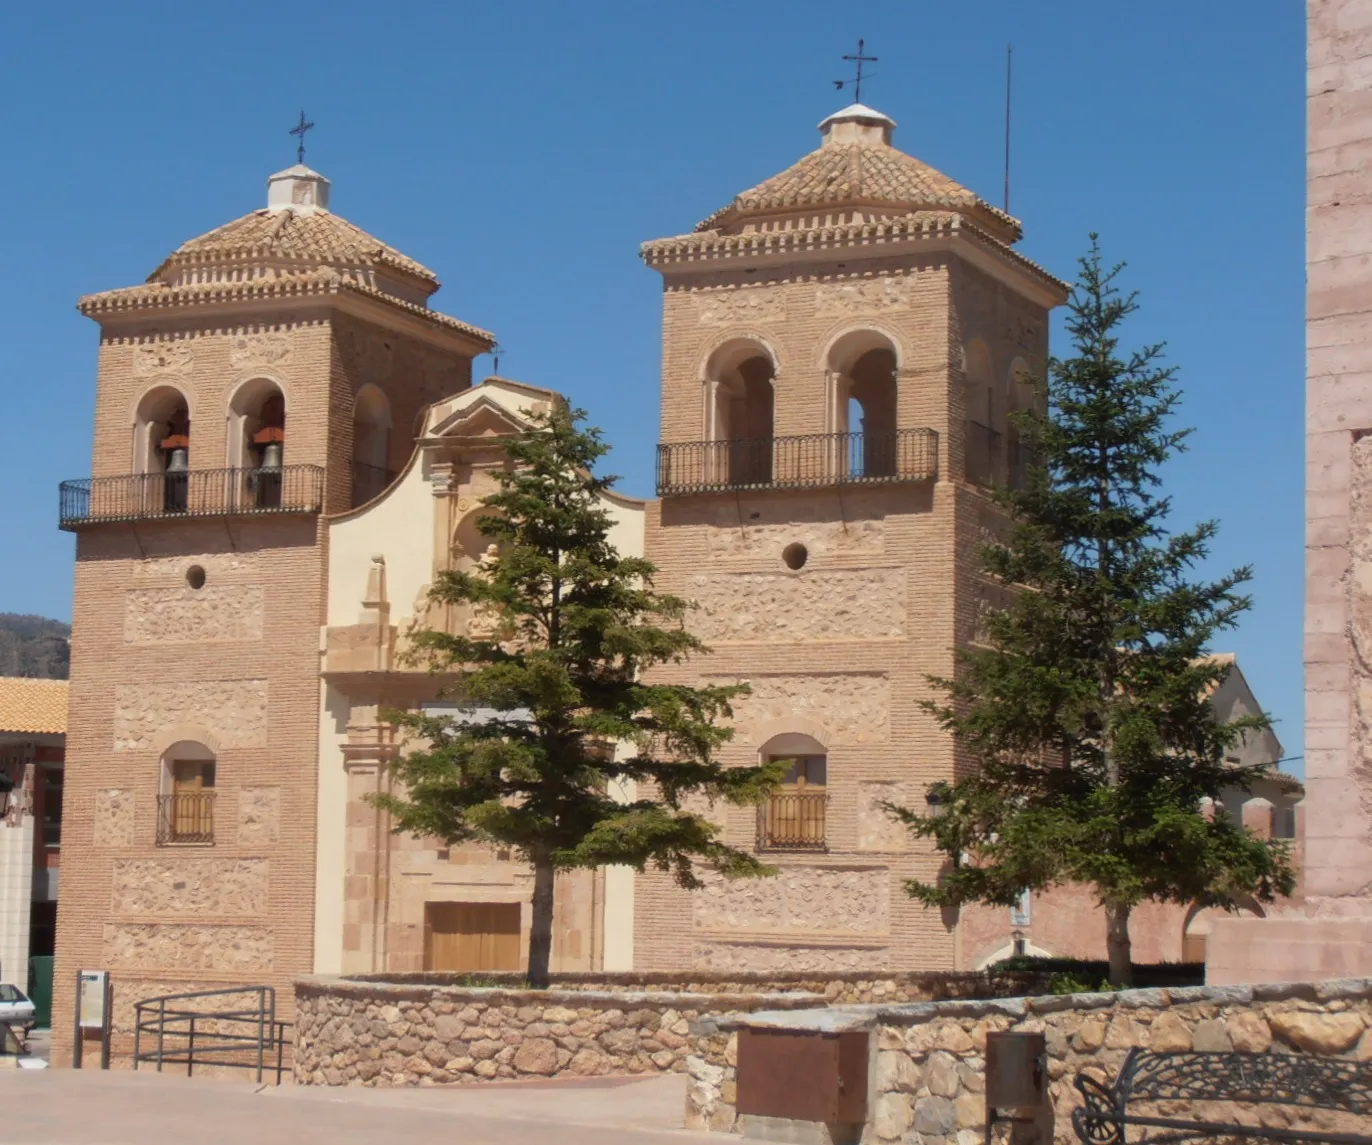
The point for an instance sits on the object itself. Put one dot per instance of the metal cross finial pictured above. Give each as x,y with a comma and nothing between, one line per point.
858,59
304,126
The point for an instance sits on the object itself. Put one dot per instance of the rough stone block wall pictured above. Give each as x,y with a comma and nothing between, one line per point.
352,1032
929,1079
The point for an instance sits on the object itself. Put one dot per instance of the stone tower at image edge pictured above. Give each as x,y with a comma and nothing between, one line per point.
842,345
268,374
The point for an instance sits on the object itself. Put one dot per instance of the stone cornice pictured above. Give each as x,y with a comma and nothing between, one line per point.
704,252
284,290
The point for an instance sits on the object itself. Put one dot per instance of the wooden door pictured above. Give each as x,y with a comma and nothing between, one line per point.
193,798
471,936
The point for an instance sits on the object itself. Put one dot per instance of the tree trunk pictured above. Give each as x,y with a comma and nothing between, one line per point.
1117,944
541,927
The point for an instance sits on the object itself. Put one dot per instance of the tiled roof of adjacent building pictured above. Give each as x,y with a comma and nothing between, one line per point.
33,707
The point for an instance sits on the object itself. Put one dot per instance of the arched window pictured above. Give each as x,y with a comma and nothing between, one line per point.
981,440
257,439
862,371
793,819
162,448
740,410
371,444
185,806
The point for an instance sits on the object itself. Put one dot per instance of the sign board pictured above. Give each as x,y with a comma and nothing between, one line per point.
91,993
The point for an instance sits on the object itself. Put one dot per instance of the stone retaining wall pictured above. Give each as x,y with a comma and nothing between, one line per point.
929,1081
352,1031
838,989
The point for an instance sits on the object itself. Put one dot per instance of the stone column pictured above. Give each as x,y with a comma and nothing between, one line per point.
1329,935
366,880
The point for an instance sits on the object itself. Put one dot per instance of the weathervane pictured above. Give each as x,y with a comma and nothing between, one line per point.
858,59
304,126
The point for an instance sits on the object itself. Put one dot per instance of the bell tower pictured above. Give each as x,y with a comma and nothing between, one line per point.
842,345
268,374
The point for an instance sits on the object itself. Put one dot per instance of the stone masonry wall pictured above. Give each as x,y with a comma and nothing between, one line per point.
929,1081
836,988
351,1032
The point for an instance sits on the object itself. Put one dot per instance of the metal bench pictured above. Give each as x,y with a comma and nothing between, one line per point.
1301,1080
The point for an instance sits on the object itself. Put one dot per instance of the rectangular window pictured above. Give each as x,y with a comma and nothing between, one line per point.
793,819
186,812
52,806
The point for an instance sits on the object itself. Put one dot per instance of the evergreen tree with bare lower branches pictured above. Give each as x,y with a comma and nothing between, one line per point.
1087,711
559,717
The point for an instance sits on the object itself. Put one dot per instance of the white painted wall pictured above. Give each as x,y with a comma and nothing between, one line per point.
16,893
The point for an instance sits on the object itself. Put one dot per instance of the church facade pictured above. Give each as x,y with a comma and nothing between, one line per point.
289,447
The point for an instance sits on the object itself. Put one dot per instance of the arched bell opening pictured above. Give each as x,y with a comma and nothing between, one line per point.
162,448
740,413
371,444
258,440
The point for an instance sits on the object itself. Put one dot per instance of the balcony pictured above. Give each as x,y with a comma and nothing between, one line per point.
806,461
197,493
185,817
792,821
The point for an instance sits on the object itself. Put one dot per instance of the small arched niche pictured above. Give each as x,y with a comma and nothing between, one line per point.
862,371
794,817
981,439
186,804
162,448
740,411
257,439
371,443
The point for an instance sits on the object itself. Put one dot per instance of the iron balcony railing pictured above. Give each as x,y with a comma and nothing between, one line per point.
197,493
796,462
185,817
369,481
792,821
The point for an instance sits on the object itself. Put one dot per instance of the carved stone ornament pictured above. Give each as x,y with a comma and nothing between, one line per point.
162,358
259,349
747,304
862,296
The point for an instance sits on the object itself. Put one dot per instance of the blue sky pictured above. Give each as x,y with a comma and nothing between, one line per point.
524,149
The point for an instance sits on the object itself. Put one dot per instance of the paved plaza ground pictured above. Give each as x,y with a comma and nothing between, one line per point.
67,1107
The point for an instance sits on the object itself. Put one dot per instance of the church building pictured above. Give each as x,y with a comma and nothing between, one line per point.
289,447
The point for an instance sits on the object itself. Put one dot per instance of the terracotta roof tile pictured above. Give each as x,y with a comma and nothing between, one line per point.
311,237
35,707
860,173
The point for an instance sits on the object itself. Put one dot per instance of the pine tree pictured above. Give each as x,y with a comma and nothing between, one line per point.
1085,713
569,628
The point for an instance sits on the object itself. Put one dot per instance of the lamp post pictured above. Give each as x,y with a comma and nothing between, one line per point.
937,799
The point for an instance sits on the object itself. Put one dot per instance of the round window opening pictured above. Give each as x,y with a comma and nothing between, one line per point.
195,577
795,555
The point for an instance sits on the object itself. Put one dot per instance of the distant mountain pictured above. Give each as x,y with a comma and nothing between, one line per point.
34,646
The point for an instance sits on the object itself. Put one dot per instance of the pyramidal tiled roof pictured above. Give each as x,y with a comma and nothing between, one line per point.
314,237
860,168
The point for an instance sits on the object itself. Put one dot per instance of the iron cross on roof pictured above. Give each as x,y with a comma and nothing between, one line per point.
304,126
858,59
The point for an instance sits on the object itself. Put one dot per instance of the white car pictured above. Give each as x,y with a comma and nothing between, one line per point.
15,1008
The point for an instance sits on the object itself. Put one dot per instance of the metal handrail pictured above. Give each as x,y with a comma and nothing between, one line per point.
793,821
185,817
795,462
196,493
152,1015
